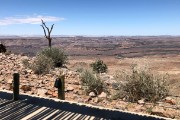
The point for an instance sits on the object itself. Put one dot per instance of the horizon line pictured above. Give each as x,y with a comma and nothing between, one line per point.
83,35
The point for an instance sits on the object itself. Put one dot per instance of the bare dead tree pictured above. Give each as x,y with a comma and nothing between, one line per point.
47,32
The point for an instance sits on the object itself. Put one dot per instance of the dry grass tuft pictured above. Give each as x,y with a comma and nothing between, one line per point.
141,83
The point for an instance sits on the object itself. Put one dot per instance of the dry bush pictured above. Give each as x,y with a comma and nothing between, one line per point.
141,84
57,55
26,63
41,64
91,82
2,48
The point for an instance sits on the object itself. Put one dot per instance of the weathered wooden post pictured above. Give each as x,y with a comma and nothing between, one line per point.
15,86
61,90
60,84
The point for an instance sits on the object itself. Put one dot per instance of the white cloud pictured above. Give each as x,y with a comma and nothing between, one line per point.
29,20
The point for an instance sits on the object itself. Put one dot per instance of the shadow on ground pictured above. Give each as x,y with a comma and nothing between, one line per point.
30,107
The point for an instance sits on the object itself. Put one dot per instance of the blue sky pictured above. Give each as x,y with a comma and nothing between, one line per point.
91,17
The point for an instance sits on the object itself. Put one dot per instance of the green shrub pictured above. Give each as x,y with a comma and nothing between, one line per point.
57,55
41,64
99,66
92,82
142,84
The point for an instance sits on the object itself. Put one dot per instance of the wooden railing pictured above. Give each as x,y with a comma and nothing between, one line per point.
59,83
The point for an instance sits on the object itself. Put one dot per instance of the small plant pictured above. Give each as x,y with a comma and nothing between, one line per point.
26,63
42,64
149,109
99,66
142,84
92,82
58,56
118,95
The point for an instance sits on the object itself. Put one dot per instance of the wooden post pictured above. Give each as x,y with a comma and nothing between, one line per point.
15,86
61,91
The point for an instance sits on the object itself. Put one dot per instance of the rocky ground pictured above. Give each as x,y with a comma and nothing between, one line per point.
43,85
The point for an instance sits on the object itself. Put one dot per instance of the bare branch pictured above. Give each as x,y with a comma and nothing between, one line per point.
47,31
42,21
44,24
44,31
51,28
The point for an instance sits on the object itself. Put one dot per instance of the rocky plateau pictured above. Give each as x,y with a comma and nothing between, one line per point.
43,85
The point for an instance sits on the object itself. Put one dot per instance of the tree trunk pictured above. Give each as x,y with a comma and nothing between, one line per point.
49,42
